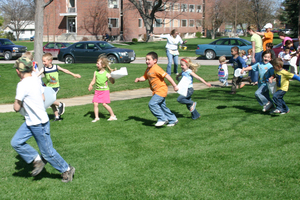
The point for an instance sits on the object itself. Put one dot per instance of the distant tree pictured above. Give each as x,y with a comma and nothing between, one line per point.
96,20
289,14
17,14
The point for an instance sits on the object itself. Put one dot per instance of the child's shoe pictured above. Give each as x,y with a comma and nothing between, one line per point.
276,111
285,112
96,119
173,123
161,123
267,107
112,118
61,108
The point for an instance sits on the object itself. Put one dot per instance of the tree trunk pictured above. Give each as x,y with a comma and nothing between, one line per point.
39,31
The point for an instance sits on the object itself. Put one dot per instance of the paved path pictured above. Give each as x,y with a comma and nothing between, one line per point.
114,96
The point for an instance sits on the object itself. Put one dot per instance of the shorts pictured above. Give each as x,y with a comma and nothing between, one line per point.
56,89
101,96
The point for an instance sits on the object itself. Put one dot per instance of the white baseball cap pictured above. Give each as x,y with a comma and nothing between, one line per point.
268,25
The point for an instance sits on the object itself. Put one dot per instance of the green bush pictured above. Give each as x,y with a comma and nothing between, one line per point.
134,40
198,34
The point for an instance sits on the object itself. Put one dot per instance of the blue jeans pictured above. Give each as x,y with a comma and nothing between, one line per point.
262,94
188,101
170,60
279,102
254,74
41,134
223,79
157,106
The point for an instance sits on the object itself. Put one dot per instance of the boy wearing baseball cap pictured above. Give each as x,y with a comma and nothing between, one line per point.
30,100
267,36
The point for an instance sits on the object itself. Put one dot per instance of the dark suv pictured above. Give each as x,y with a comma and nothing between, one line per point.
8,49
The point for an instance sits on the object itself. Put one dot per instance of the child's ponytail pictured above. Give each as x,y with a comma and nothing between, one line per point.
193,66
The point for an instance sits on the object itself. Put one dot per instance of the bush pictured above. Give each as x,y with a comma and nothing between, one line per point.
10,36
84,39
198,34
134,40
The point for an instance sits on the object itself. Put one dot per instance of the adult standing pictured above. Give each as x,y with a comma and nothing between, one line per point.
284,38
173,39
267,36
257,50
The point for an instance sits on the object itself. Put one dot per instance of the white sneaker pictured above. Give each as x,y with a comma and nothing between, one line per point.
112,118
96,119
161,123
173,123
267,107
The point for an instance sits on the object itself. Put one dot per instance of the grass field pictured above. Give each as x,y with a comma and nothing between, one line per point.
234,151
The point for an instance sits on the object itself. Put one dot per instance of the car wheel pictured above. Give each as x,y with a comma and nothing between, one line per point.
69,59
7,55
112,59
210,54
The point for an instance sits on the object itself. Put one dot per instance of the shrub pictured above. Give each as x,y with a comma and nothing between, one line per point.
84,39
134,40
198,34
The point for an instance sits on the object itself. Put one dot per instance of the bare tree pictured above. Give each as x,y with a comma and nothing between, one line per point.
40,5
18,14
96,21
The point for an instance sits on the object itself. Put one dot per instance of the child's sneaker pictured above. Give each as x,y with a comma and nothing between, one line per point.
61,108
285,112
267,107
276,111
161,123
173,123
68,175
112,118
96,119
38,167
57,119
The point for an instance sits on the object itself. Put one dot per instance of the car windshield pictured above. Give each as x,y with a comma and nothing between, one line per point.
105,45
6,42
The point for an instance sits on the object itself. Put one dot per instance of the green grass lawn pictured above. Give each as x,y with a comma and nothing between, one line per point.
234,151
71,87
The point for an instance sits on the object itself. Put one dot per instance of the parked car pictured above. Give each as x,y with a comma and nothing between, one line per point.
32,38
277,48
8,49
88,52
54,47
222,47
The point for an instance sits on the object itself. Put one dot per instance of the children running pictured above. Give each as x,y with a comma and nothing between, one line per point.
157,104
189,70
30,97
52,77
282,80
102,95
265,70
223,71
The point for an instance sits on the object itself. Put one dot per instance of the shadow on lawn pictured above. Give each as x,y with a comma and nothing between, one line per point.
92,115
24,171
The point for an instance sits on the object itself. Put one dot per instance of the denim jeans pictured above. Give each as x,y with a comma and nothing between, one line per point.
262,94
157,106
223,79
279,102
254,74
41,134
188,101
170,60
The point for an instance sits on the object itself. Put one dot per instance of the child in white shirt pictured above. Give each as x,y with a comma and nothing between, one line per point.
223,71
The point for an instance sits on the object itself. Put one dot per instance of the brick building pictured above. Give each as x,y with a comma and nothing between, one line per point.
65,19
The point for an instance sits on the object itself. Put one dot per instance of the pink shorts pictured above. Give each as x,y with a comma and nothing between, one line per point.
101,96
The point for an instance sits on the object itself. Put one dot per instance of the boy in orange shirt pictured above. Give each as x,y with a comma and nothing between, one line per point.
268,35
157,104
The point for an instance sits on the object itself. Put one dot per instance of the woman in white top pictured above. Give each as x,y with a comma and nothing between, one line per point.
172,49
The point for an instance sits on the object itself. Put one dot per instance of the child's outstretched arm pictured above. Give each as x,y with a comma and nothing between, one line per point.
40,72
169,78
111,79
68,72
200,79
246,69
141,79
295,77
92,82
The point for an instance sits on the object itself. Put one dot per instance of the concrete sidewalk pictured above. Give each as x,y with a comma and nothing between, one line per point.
114,96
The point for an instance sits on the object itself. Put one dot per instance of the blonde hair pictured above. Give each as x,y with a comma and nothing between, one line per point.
105,62
277,62
242,52
193,66
252,28
28,55
48,56
222,59
249,51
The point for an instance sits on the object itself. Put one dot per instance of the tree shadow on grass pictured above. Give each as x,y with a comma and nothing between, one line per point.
24,170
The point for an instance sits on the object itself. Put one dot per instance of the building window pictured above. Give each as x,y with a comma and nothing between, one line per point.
113,3
149,5
198,23
176,6
192,8
199,9
192,23
158,23
169,6
140,23
183,23
183,7
113,22
167,23
176,23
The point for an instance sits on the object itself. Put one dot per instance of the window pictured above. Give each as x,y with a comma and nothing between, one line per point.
140,23
149,5
198,23
90,46
113,22
183,23
192,8
50,46
176,6
192,23
199,9
79,46
158,23
169,6
183,7
167,23
176,23
113,3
